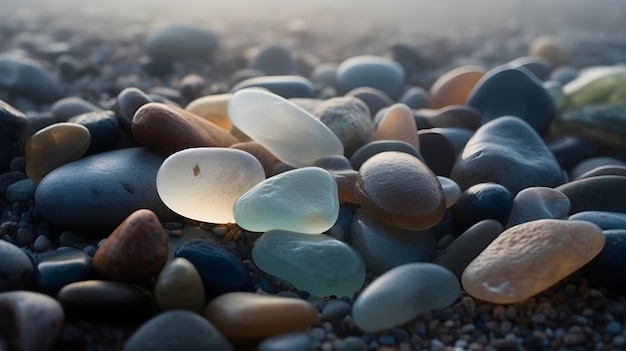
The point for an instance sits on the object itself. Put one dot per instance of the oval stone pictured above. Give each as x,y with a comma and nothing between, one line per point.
454,86
179,287
528,258
273,60
538,203
241,315
377,72
288,86
204,183
398,189
28,78
61,267
181,41
602,193
16,268
318,264
403,293
303,200
293,135
604,220
375,99
609,267
483,201
398,124
213,108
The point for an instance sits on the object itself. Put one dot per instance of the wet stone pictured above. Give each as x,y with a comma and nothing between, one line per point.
483,201
179,287
61,267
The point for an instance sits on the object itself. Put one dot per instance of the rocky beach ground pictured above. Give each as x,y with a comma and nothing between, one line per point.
126,160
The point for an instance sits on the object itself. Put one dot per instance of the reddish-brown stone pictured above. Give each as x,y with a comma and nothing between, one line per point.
266,158
453,87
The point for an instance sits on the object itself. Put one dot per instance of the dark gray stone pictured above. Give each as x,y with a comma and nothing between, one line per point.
13,133
16,268
180,41
273,60
26,77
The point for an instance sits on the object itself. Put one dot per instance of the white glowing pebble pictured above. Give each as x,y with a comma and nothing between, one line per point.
303,200
203,183
293,135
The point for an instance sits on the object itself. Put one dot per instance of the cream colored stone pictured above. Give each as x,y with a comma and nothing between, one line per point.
213,108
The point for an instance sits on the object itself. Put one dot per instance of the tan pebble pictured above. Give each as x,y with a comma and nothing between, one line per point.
453,87
179,287
528,258
213,108
241,315
548,47
398,124
266,158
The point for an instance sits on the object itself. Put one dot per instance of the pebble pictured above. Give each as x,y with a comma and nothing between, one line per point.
453,116
287,86
604,220
352,343
179,287
203,183
127,103
297,341
273,60
454,86
72,106
498,152
28,78
608,267
539,66
61,267
594,162
529,258
136,250
324,75
451,190
375,99
41,244
377,72
483,201
242,315
399,190
601,124
154,123
602,193
281,202
213,108
293,135
349,118
375,147
55,146
13,134
604,170
180,42
35,320
550,48
192,86
335,310
315,263
398,124
415,98
16,268
383,247
21,191
104,129
596,85
403,293
506,91
177,330
438,152
538,203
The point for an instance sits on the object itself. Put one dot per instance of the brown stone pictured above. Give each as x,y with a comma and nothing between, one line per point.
548,47
136,251
168,129
266,158
398,124
241,315
453,87
213,108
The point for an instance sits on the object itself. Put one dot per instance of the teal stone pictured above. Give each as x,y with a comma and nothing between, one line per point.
377,72
316,263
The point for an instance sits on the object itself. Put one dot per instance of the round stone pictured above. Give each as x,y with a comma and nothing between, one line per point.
28,78
180,41
16,268
454,86
538,203
127,103
483,201
398,124
370,71
415,98
179,287
548,47
273,60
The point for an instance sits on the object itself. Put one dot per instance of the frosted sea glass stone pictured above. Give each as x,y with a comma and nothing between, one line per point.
293,135
204,183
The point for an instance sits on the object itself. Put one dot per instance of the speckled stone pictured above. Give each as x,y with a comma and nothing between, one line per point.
454,86
179,287
398,124
370,71
483,201
213,108
602,193
538,203
16,268
287,86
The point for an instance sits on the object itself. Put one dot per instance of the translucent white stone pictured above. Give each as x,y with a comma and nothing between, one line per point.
204,183
303,200
451,190
293,135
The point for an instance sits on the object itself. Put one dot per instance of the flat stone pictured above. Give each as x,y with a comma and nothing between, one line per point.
55,146
529,258
454,86
538,203
370,71
241,315
203,183
36,320
95,194
28,78
383,247
16,268
281,202
398,189
294,136
602,193
13,134
181,41
315,263
273,60
398,124
72,106
375,147
63,266
287,86
104,129
483,201
498,152
402,294
213,108
603,219
177,330
179,287
167,129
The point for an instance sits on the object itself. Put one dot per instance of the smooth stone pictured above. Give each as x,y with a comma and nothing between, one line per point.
28,78
95,194
203,183
9,178
539,66
377,72
564,74
399,190
273,60
335,310
16,268
594,162
483,201
548,47
451,190
415,98
41,244
604,220
345,177
242,315
375,99
504,91
293,135
596,85
281,202
213,108
526,259
454,86
602,193
136,250
464,249
180,41
402,294
437,151
601,171
457,136
349,118
69,107
33,320
287,86
127,103
63,266
453,116
538,203
167,129
104,129
263,155
192,86
179,287
383,247
499,152
609,267
188,234
21,191
324,75
555,89
316,263
409,57
602,124
298,341
177,330
398,124
13,134
221,271
571,150
375,147
105,301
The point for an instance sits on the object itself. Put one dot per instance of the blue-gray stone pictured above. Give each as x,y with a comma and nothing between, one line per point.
299,341
377,72
16,268
538,66
604,220
13,134
22,190
324,75
336,310
60,267
273,60
103,127
179,42
609,266
23,76
287,86
375,99
601,193
66,108
415,98
483,201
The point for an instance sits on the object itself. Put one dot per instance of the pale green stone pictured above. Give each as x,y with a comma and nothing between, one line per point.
597,85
